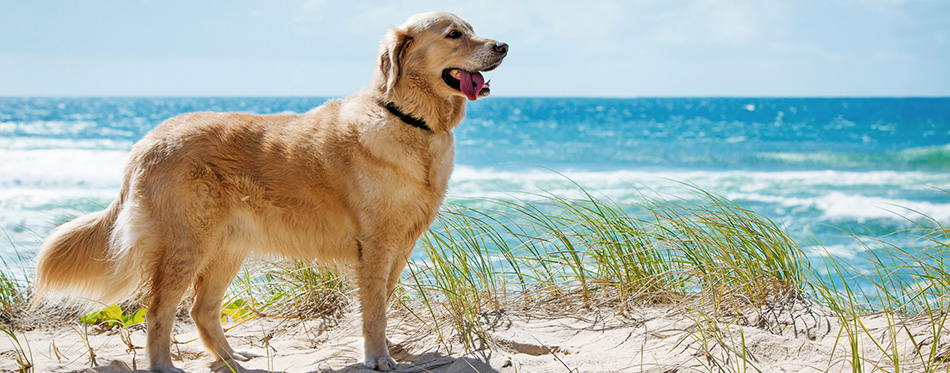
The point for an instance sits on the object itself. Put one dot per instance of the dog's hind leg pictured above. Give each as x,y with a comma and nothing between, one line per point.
206,312
173,272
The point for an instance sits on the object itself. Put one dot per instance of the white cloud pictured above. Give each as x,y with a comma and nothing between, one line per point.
731,22
315,4
883,5
591,21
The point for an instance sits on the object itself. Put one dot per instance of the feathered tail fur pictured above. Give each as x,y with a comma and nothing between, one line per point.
78,260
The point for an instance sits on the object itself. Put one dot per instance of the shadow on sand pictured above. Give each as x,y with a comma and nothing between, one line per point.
429,362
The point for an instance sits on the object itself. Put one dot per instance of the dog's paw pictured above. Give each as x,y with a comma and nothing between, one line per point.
244,355
381,363
166,368
226,366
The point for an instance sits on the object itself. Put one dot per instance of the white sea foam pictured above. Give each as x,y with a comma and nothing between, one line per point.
42,143
46,127
843,251
861,208
59,168
463,172
835,194
37,187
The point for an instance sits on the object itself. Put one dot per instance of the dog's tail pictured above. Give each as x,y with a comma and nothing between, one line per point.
77,260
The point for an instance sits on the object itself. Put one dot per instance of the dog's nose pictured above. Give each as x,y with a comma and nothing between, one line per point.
501,48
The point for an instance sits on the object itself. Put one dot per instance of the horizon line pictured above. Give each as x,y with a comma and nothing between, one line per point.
5,96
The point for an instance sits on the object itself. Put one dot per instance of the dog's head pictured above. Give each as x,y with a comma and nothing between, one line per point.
437,53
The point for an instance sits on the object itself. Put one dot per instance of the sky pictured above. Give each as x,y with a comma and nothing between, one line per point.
575,48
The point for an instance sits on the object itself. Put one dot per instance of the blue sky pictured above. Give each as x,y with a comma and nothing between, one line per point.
558,48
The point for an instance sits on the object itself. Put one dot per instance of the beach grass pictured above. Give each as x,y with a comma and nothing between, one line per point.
292,288
15,286
697,252
544,251
909,289
703,253
14,295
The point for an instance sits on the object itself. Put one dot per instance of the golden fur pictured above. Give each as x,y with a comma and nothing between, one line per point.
347,181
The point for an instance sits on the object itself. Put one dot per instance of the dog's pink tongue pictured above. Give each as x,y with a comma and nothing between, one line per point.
471,83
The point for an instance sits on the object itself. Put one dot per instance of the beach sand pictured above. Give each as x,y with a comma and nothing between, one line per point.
797,337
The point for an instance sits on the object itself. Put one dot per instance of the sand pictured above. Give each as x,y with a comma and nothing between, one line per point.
797,337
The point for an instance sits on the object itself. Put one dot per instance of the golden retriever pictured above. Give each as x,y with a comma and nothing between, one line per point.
355,180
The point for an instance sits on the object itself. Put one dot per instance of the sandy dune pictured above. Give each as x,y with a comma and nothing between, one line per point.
794,338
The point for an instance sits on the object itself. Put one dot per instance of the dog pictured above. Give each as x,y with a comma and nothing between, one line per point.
355,180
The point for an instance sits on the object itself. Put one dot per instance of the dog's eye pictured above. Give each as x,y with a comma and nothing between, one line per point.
454,34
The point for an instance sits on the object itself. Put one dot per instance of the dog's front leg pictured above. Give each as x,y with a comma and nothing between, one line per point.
372,277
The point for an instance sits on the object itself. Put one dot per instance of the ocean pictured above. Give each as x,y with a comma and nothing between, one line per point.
825,169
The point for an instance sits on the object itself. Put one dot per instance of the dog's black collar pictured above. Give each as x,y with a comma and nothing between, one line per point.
409,119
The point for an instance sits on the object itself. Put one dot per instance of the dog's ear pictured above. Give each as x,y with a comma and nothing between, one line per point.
391,55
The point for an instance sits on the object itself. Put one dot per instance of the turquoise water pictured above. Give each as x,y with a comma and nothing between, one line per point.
823,168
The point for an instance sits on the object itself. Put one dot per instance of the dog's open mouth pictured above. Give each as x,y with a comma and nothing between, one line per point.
471,83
